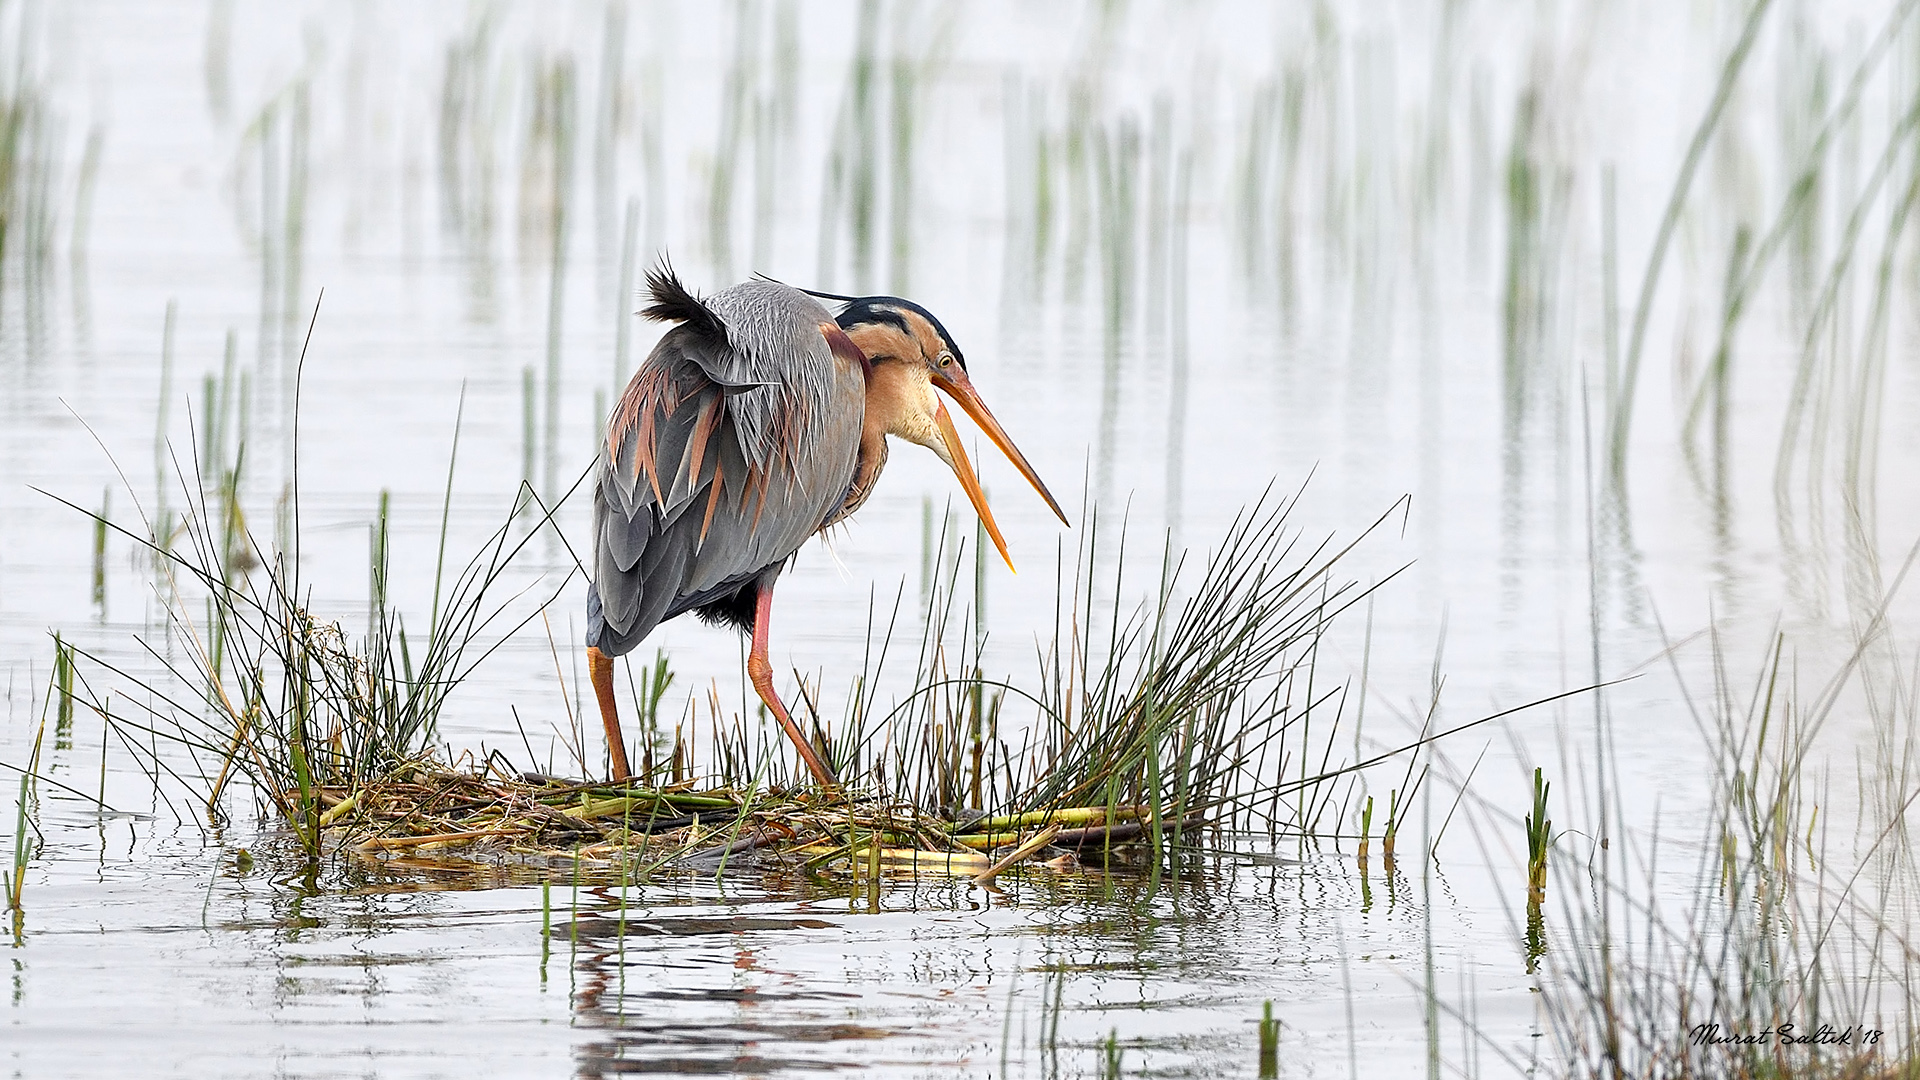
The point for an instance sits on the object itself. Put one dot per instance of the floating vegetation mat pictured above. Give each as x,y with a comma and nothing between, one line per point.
425,806
1192,707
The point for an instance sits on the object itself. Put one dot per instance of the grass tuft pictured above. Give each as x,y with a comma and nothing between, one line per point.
1775,963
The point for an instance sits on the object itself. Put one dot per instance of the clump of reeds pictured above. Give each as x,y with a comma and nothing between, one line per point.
1196,705
1539,838
1181,700
1784,959
1138,747
264,689
1191,710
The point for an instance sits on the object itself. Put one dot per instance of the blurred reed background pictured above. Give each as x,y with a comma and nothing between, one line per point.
1664,250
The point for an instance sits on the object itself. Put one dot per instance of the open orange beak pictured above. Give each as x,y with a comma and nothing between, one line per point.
958,387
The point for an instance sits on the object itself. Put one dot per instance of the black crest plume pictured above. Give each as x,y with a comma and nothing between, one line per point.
673,302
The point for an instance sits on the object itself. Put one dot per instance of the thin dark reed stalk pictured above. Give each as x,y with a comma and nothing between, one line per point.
13,883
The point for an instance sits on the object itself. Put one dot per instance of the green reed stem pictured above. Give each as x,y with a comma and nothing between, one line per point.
1269,1043
1539,839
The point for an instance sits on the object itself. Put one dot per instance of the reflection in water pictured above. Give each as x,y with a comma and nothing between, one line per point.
659,1020
806,980
1179,350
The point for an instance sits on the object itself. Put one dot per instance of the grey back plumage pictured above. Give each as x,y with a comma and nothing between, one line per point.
733,444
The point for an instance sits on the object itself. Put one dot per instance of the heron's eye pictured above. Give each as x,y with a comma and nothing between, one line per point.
945,359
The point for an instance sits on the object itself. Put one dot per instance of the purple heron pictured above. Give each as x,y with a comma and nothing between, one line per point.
756,422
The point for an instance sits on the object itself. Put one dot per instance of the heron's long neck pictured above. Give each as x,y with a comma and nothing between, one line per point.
888,411
866,470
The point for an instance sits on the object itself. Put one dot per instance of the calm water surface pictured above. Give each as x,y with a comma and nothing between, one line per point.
1188,250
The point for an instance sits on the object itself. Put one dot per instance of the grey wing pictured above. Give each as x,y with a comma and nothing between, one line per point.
706,481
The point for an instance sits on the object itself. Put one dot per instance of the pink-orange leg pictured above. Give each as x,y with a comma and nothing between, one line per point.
600,669
761,673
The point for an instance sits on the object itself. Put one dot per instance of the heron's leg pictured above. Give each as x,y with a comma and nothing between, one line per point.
600,669
761,673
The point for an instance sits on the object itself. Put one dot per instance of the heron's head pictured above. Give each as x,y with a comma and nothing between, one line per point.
912,356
